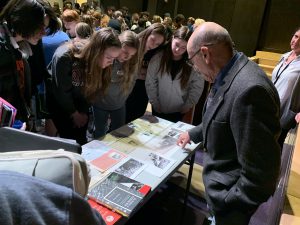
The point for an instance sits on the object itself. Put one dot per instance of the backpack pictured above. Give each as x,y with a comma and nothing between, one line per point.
58,166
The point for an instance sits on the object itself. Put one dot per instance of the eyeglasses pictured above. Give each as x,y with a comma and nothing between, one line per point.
189,61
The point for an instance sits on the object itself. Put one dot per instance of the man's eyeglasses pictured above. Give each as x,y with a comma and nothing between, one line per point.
189,61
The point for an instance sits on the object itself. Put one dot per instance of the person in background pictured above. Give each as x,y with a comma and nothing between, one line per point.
168,21
150,39
126,16
173,87
78,75
146,16
111,104
116,21
286,78
97,20
190,22
178,21
239,129
96,6
70,18
36,61
166,15
84,8
51,42
89,19
110,11
77,8
157,19
40,75
198,22
104,21
21,22
134,21
56,9
141,26
83,31
67,5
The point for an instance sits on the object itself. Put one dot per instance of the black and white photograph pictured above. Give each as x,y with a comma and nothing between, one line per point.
157,164
159,161
131,168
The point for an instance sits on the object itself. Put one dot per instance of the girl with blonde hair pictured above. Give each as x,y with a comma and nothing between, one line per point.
197,23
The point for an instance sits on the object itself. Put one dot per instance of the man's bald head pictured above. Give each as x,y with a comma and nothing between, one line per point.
210,33
210,48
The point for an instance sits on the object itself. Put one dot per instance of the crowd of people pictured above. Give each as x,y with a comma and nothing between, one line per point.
88,70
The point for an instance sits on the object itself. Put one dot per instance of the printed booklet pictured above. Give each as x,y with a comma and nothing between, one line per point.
107,160
119,193
110,217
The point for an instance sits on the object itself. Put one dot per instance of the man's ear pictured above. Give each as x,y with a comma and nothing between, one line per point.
205,54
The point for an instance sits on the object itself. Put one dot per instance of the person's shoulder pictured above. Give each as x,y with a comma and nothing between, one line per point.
63,49
59,35
157,55
286,54
63,35
249,70
250,75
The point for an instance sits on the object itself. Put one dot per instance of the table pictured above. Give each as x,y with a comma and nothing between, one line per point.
159,138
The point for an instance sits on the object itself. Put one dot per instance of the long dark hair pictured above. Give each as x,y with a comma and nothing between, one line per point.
155,28
23,17
130,39
54,24
166,61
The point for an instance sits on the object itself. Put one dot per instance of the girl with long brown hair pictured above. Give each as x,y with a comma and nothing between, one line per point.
78,76
150,40
173,87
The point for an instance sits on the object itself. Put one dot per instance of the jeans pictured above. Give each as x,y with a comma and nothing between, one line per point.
101,117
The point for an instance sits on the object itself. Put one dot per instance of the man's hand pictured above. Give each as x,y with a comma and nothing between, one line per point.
183,139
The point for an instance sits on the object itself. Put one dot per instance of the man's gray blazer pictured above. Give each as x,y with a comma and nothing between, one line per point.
239,134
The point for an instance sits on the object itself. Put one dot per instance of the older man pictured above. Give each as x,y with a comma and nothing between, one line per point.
239,130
